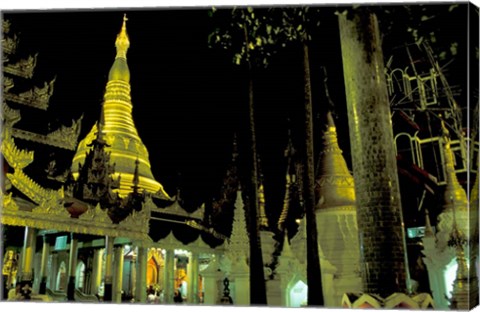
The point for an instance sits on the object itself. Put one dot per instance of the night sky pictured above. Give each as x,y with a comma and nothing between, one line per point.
188,99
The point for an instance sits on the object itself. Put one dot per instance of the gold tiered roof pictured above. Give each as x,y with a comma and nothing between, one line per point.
124,144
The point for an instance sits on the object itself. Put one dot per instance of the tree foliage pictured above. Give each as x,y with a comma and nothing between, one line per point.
423,22
256,34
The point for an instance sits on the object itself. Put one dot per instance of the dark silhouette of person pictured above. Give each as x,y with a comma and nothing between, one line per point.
178,296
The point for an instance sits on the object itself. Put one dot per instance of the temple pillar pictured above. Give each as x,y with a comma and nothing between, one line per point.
96,279
107,295
117,294
26,280
51,279
169,281
47,241
141,275
133,276
193,281
72,266
211,276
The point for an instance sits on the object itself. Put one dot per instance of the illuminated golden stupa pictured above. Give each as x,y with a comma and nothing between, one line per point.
118,129
335,186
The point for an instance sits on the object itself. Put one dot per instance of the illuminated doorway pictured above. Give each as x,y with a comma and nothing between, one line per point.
297,295
80,276
62,277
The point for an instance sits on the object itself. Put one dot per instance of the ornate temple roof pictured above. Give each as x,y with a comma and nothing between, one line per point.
125,146
28,117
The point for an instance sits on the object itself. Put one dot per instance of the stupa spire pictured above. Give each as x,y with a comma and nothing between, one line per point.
262,214
454,195
290,178
117,128
335,185
428,225
122,43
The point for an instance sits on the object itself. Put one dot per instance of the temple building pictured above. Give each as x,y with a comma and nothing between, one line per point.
108,230
87,220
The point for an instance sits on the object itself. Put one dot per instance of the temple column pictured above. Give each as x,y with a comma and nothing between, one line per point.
188,271
211,277
169,278
26,279
53,271
193,283
118,274
107,295
141,282
133,276
72,265
96,271
47,241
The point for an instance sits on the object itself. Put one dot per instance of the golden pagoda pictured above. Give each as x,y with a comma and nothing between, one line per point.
455,195
118,129
335,186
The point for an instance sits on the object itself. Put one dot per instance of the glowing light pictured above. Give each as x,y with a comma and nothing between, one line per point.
298,295
450,275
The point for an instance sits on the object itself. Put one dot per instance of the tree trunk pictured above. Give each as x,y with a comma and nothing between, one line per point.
379,211
258,294
314,275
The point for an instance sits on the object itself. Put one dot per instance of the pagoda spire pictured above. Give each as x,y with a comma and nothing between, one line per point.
122,43
335,186
428,225
289,180
262,214
455,195
118,129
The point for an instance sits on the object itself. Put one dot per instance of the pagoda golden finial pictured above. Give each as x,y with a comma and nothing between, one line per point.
454,192
331,123
263,219
122,43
